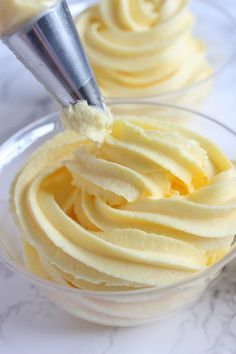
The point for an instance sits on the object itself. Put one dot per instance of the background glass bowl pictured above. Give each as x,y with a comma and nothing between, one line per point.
217,30
108,308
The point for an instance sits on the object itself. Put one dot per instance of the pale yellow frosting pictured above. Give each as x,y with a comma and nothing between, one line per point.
139,47
90,122
152,205
15,12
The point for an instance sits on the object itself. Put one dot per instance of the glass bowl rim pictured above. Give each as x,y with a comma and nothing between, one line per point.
165,95
8,263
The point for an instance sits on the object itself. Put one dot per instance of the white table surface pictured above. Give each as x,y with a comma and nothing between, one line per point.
29,323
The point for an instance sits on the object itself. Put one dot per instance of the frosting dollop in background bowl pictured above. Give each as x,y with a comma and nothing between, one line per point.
213,25
126,308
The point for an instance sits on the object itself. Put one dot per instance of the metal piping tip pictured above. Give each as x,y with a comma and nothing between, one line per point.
49,46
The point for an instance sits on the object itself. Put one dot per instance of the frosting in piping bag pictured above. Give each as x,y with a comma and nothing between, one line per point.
15,12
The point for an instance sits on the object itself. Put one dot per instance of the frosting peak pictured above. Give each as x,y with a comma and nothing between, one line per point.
90,122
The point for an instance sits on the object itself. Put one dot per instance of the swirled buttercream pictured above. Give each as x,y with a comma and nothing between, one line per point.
139,47
152,205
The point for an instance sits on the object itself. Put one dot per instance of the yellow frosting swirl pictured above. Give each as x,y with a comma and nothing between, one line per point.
139,47
151,206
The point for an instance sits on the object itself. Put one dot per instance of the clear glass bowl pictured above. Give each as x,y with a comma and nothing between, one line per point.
217,30
109,308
